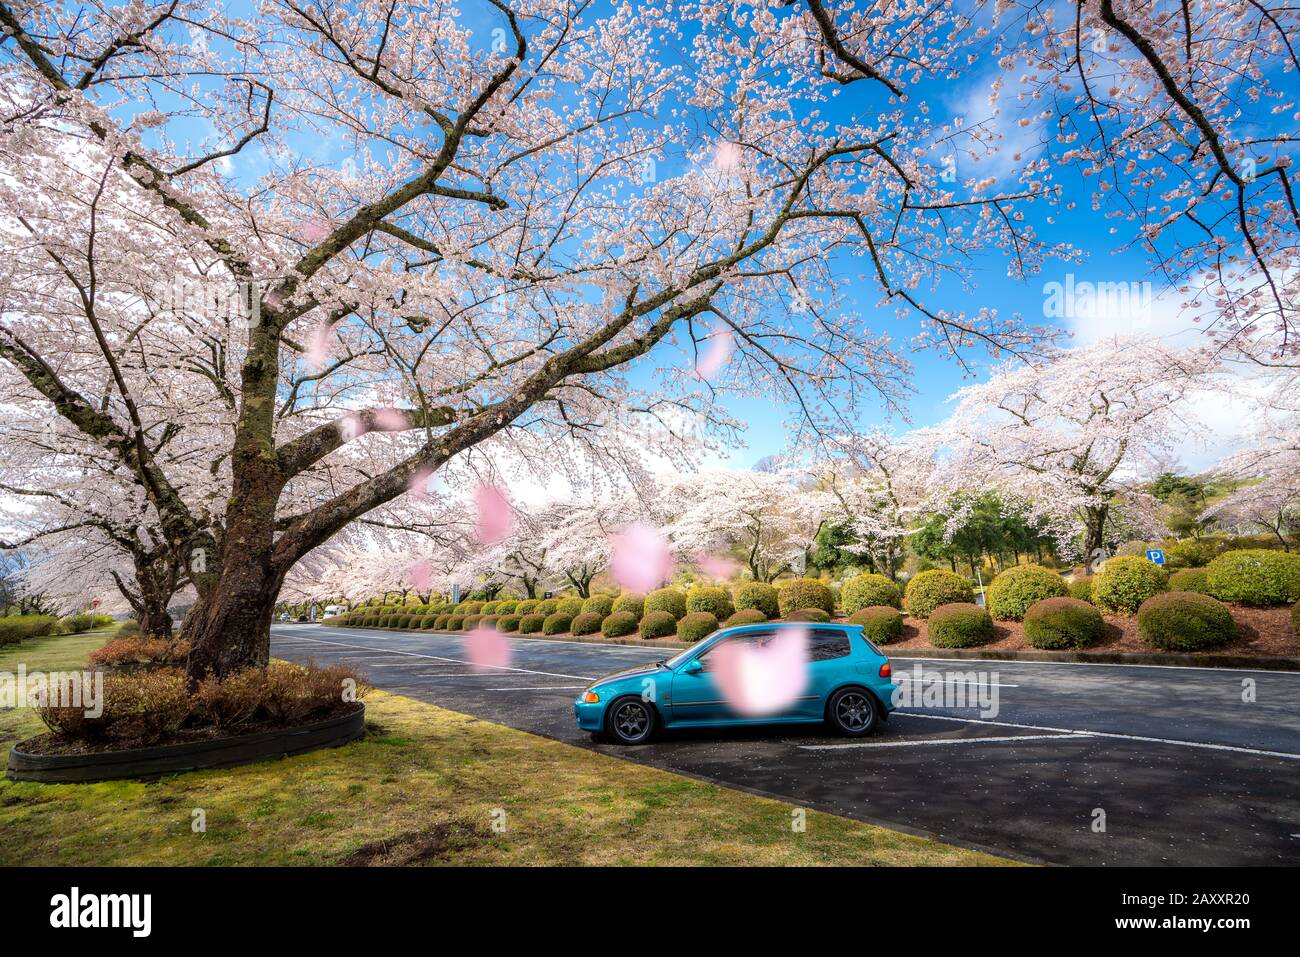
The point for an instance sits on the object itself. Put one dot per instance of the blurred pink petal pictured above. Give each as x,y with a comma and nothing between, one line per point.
495,516
715,566
314,230
390,420
727,156
418,486
487,648
419,575
318,347
641,561
758,681
353,427
716,353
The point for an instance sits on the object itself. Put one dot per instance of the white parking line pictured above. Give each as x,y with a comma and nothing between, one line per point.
462,661
546,688
1108,734
908,744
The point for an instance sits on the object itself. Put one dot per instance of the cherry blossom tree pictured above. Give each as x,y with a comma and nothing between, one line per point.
345,244
1073,437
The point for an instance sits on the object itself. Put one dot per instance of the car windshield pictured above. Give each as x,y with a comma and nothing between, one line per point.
681,656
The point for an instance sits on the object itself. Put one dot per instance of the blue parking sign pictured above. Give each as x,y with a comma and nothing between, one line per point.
1156,555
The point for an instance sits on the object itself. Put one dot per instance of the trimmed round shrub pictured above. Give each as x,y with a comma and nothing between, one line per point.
959,624
1063,623
1125,582
1185,621
931,589
630,602
697,625
1013,591
746,616
440,622
507,606
508,623
491,607
808,614
1193,553
759,597
570,606
882,624
657,624
455,622
801,593
472,622
588,623
1295,619
669,600
600,605
469,608
1190,579
557,623
547,606
1081,588
1255,576
531,624
617,624
716,601
870,590
526,607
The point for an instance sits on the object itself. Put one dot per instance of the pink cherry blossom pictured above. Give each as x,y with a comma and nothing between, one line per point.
716,352
495,516
715,566
390,420
640,560
314,230
757,681
318,345
726,157
486,648
419,575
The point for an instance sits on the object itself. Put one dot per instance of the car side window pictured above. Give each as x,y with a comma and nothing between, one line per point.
755,638
826,645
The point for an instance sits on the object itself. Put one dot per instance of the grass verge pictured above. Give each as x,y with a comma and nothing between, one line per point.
425,786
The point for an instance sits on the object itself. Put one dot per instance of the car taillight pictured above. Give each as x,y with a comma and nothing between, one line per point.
885,670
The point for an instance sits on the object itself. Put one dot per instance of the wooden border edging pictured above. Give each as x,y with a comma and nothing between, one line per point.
190,756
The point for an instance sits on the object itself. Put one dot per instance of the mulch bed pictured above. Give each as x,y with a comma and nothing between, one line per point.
1264,632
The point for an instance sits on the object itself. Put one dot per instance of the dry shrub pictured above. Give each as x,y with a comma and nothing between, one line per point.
128,653
281,693
139,709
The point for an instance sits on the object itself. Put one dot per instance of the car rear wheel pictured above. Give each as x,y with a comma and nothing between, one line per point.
853,712
630,721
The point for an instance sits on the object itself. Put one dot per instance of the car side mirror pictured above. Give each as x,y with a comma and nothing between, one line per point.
692,666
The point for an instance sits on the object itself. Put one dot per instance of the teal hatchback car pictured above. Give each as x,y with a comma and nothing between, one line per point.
848,686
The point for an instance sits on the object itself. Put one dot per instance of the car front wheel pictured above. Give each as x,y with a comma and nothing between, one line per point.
853,712
630,721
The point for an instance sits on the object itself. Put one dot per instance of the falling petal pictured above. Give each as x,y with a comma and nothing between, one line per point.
727,156
353,427
640,559
757,681
715,566
314,230
495,516
390,420
318,347
418,486
716,353
419,575
487,648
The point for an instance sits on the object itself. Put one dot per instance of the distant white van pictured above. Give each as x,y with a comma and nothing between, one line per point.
333,610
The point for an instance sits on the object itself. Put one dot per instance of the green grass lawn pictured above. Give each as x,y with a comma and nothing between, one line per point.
425,785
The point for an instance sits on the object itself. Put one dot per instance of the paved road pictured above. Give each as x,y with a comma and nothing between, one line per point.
1184,770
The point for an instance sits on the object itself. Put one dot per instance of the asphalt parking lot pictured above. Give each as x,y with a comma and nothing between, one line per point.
1175,764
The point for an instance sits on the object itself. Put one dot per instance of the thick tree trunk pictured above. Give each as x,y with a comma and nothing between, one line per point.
230,629
1095,532
155,622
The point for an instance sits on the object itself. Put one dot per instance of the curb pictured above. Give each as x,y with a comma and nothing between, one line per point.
1170,659
191,756
1173,660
